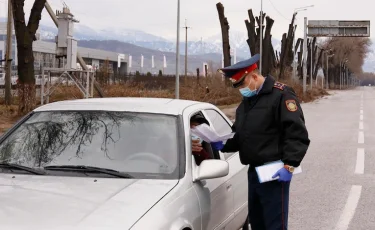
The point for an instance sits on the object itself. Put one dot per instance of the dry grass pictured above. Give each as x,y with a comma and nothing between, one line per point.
8,116
212,90
310,95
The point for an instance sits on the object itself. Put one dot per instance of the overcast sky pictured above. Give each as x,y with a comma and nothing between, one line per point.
158,17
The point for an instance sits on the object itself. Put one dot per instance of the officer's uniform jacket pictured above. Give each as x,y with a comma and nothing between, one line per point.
270,126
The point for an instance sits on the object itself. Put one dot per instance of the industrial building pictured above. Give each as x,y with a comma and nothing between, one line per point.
45,55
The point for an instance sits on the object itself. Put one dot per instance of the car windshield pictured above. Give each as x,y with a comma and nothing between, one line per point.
141,145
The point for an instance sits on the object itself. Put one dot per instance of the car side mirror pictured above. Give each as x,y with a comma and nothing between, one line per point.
211,169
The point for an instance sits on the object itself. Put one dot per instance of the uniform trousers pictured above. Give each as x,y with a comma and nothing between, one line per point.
268,203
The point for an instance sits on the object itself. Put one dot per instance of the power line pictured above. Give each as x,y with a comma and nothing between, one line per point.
279,11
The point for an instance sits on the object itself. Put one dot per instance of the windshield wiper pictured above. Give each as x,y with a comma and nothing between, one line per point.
89,169
23,168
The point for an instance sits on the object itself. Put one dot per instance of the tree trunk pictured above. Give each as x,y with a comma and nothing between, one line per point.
252,36
225,37
299,67
314,50
25,35
282,55
225,34
267,58
287,53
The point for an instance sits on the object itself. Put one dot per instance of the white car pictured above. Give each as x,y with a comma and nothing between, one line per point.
118,163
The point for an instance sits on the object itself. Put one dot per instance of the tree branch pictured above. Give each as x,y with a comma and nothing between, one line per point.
35,16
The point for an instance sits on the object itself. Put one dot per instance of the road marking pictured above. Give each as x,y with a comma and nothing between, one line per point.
350,207
360,165
361,125
361,111
361,137
361,117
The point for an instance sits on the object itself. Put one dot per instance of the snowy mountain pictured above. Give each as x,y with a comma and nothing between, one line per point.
212,44
209,47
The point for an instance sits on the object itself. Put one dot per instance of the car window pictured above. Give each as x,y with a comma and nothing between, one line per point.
143,145
209,152
220,125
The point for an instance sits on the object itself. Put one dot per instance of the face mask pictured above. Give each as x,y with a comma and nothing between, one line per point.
193,137
247,92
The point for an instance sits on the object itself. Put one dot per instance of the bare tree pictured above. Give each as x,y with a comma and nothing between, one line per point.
25,35
225,34
286,58
224,24
354,50
269,58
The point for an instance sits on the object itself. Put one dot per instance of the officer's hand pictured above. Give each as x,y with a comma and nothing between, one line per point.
196,146
284,175
217,145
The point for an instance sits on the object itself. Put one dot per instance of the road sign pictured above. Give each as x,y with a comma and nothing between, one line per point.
335,28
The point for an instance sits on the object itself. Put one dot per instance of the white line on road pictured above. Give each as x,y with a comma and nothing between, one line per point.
361,117
361,111
360,165
361,125
361,137
350,207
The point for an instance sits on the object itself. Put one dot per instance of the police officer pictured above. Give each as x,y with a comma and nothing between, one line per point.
269,126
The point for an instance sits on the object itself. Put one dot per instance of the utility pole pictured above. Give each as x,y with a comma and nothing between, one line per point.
8,77
186,49
178,52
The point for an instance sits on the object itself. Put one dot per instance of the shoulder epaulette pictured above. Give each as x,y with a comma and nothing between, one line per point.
279,85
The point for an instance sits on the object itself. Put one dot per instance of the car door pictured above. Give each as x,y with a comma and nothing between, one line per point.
237,177
216,201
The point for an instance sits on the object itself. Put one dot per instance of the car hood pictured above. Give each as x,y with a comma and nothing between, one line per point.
49,202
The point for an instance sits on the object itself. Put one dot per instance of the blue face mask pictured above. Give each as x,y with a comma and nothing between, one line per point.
247,92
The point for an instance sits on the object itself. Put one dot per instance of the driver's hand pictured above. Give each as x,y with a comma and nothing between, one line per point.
196,146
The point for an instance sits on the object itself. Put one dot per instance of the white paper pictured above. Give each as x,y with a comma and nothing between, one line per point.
209,135
265,172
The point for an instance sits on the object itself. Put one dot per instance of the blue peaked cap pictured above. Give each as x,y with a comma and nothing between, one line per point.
230,71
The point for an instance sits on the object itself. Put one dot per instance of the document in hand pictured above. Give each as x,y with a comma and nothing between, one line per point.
265,172
209,135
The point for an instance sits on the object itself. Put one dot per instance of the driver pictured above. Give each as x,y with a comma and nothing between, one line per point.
200,154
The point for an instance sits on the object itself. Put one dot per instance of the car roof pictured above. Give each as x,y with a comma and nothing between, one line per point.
131,104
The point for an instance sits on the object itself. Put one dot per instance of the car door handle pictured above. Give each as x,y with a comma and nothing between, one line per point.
229,186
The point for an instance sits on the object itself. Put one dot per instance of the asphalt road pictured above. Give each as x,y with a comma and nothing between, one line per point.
337,187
